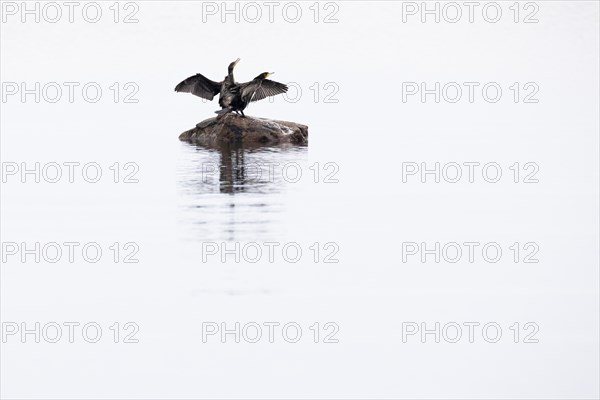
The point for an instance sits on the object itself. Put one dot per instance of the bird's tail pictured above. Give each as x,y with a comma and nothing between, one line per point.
221,113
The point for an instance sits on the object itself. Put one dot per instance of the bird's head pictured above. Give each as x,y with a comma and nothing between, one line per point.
264,75
232,65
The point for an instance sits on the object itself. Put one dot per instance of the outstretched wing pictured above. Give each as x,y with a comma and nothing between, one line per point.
251,91
199,85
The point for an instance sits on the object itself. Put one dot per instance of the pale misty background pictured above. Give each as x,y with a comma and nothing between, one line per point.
368,133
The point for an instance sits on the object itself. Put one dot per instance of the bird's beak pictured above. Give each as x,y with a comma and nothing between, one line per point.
269,74
235,62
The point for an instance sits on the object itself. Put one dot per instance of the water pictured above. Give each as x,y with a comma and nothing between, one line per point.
236,193
181,203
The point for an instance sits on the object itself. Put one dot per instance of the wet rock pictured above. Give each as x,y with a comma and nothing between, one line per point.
234,129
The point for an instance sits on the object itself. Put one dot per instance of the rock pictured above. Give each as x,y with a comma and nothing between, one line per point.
235,129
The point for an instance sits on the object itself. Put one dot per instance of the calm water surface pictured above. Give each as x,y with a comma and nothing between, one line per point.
232,193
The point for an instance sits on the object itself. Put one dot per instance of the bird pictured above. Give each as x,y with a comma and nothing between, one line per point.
255,90
233,96
201,86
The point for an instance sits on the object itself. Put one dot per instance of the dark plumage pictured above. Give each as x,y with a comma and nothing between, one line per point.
234,96
201,86
255,90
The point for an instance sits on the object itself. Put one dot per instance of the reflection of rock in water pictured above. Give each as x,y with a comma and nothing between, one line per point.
235,189
243,169
249,131
232,174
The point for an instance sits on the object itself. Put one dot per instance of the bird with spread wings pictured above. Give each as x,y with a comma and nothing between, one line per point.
233,96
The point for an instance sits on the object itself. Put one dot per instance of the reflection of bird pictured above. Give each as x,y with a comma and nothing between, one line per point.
255,90
234,96
201,86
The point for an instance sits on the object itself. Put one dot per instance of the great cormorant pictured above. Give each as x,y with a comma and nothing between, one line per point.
234,96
